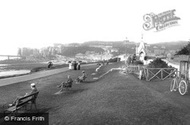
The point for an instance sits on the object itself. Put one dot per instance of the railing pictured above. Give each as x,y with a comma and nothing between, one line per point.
150,73
9,56
132,69
158,73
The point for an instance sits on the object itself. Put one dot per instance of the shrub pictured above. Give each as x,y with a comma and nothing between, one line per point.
113,59
184,50
158,63
138,63
37,69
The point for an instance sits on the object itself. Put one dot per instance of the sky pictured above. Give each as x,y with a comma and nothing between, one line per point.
40,23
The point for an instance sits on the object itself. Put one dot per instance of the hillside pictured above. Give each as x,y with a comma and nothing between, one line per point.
108,43
175,45
98,48
118,45
72,51
122,47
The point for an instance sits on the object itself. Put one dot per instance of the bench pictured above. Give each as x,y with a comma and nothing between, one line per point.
23,102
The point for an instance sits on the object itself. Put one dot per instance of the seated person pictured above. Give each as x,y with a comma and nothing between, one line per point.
34,89
50,64
67,84
81,78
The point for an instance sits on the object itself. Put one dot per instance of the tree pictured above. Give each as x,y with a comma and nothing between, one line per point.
184,51
158,63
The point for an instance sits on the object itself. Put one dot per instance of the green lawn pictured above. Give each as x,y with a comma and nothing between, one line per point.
115,99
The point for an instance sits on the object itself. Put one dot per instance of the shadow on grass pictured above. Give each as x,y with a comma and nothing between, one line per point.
88,82
75,91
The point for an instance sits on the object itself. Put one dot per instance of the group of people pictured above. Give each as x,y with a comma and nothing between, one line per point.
69,82
64,85
75,65
131,59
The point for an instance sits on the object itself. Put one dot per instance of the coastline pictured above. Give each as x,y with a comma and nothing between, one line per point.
30,76
18,69
36,75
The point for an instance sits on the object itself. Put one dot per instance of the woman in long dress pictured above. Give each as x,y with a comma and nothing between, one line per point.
70,65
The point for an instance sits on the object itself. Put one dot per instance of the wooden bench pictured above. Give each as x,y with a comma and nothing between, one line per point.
23,102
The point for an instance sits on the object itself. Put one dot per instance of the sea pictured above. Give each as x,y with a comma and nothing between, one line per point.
13,72
4,72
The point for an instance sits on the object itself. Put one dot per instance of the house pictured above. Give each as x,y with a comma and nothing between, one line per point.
159,52
80,55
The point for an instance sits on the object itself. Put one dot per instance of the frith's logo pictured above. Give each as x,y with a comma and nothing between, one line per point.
160,21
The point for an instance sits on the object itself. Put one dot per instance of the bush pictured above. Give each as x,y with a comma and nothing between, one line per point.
138,63
114,59
158,63
37,69
184,50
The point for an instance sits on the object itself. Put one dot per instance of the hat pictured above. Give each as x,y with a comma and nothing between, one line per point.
83,71
33,84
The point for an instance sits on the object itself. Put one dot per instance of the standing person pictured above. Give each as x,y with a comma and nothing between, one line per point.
107,62
70,65
75,65
78,65
129,60
133,58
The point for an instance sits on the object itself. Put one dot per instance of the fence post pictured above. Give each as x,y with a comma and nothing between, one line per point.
140,74
162,74
147,75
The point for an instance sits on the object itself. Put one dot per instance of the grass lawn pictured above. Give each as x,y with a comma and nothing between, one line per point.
113,99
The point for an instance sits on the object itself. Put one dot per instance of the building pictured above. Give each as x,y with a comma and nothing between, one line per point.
159,52
141,50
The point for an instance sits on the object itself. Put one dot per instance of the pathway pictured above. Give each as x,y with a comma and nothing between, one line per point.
40,74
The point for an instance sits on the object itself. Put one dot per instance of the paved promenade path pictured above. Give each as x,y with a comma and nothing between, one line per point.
40,74
170,63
